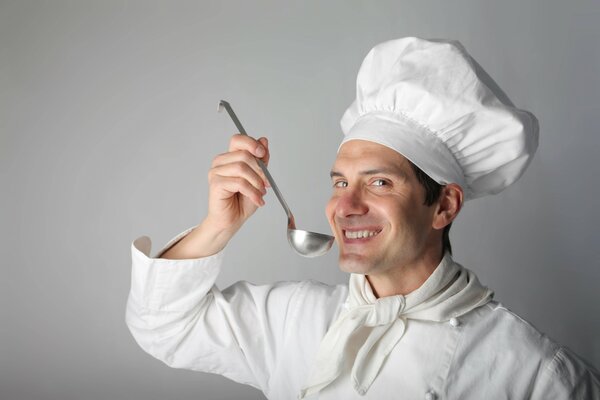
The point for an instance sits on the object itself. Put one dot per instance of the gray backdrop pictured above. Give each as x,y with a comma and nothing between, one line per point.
108,125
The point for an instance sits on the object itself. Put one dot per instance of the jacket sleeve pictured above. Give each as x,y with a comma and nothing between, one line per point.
177,314
567,376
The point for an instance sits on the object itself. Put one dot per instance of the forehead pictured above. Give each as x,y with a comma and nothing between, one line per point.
362,153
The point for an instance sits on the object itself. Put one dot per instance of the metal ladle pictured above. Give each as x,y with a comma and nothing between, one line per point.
305,243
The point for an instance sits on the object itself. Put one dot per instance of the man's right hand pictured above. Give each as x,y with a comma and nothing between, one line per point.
236,183
236,189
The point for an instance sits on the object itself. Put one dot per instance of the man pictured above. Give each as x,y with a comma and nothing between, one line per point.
428,130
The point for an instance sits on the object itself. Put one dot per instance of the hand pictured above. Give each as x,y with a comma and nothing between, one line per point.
236,190
236,184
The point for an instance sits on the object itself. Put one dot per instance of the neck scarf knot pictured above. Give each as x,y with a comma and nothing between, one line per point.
382,312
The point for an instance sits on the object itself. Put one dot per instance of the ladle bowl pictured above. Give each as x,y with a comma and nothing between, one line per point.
309,244
305,243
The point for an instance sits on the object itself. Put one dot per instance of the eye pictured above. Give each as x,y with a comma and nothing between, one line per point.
340,184
380,182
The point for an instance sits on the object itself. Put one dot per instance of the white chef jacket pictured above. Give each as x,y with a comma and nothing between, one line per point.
267,336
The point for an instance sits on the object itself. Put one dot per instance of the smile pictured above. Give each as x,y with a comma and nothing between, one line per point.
360,234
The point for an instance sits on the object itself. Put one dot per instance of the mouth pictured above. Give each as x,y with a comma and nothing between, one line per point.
360,235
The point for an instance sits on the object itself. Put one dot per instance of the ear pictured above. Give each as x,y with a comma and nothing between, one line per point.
448,206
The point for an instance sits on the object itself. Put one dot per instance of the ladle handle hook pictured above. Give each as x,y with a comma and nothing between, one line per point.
238,124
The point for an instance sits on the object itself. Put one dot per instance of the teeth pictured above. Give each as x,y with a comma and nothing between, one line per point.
360,234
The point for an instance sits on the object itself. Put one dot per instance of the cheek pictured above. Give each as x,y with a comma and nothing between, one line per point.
387,210
330,209
398,215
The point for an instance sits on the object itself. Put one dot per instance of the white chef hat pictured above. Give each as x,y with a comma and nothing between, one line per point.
431,102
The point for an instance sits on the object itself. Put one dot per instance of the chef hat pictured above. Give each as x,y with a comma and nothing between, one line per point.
431,102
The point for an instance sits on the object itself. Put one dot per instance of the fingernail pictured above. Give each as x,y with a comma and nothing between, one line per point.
260,151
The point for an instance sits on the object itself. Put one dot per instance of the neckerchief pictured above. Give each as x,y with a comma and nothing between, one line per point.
449,292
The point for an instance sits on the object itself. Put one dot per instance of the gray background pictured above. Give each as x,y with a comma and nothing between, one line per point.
108,125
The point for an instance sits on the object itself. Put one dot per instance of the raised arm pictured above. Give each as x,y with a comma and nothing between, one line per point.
174,310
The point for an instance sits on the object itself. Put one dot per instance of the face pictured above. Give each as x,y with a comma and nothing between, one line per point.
376,210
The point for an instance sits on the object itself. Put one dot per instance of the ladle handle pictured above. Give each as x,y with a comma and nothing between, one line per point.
238,124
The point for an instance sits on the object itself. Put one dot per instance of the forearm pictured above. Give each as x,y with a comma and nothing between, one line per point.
203,241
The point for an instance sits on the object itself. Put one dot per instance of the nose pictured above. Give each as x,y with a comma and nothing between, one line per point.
350,203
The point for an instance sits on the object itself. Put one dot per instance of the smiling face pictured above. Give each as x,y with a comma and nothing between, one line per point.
376,211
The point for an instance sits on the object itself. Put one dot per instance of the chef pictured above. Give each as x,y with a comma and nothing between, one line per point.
428,130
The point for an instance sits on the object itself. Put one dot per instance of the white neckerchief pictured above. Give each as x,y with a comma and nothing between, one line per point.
450,291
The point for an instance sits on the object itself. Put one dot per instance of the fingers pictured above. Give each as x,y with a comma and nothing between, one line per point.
239,169
237,183
250,146
230,185
258,148
242,163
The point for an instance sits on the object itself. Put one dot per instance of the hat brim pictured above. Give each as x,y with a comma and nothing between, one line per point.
415,142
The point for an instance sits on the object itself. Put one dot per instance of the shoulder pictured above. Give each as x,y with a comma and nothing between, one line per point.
496,323
501,349
500,342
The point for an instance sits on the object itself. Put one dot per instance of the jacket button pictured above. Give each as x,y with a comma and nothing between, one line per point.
454,322
430,395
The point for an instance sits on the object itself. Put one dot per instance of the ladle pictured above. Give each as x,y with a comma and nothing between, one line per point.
305,243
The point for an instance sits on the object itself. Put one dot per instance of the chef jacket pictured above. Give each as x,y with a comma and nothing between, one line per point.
268,336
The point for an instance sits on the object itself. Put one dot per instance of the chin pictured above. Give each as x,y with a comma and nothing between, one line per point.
355,264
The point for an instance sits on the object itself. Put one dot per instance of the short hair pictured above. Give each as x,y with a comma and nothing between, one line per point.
432,194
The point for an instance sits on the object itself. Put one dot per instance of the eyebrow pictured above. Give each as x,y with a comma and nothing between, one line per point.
374,171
